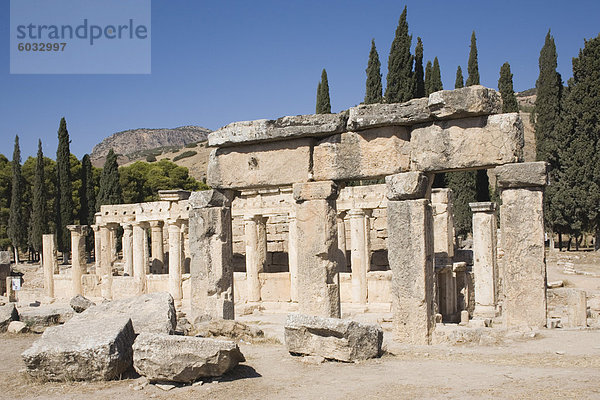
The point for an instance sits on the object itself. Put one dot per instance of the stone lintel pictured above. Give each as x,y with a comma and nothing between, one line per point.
483,206
460,266
522,175
406,186
173,195
323,190
211,198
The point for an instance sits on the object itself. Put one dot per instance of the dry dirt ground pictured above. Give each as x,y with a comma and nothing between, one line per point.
558,363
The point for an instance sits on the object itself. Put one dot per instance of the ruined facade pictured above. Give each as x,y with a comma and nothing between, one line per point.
284,222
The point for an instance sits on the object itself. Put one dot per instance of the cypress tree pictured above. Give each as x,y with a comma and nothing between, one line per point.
110,191
17,231
546,114
459,82
436,77
473,66
579,174
559,203
65,190
419,73
428,73
505,86
464,188
374,90
87,193
39,217
400,81
323,100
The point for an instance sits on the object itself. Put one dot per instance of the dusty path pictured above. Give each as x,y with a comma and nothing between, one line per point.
557,364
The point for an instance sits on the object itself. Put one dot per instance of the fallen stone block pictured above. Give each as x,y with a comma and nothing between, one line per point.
227,328
182,358
149,313
82,350
80,304
467,143
39,318
332,338
17,327
8,313
569,306
263,130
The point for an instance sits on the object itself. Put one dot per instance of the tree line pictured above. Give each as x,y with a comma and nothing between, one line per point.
42,195
407,79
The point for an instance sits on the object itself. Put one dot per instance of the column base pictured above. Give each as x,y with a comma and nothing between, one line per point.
484,311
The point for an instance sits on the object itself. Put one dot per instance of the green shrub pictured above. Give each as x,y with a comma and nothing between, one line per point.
191,145
151,158
185,154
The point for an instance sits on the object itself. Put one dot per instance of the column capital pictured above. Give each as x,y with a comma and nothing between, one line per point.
483,206
407,186
95,228
174,223
252,217
522,175
323,190
81,229
156,224
127,225
356,213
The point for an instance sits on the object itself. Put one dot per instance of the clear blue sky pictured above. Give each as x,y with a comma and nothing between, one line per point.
223,61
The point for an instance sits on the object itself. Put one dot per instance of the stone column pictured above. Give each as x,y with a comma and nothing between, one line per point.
522,235
127,248
175,260
97,248
359,258
253,265
410,252
145,251
341,231
211,266
49,262
113,244
158,256
261,235
106,261
293,256
443,225
485,269
78,259
317,244
139,259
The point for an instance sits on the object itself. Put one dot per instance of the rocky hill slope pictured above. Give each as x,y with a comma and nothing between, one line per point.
132,144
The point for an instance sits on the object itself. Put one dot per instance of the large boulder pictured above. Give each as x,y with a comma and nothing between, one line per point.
80,304
149,313
8,313
94,349
227,328
183,358
332,338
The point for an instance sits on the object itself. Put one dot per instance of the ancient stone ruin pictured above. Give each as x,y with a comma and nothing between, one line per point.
285,226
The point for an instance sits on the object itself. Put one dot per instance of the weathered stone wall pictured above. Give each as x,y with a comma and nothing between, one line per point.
450,130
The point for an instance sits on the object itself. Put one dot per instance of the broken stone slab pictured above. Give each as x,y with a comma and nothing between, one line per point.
4,257
82,350
332,338
79,303
366,154
367,116
519,175
182,358
260,165
468,143
325,190
406,186
39,318
17,327
569,306
149,313
227,328
470,101
8,313
289,127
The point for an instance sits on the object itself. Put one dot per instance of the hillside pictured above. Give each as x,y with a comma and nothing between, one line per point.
134,143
